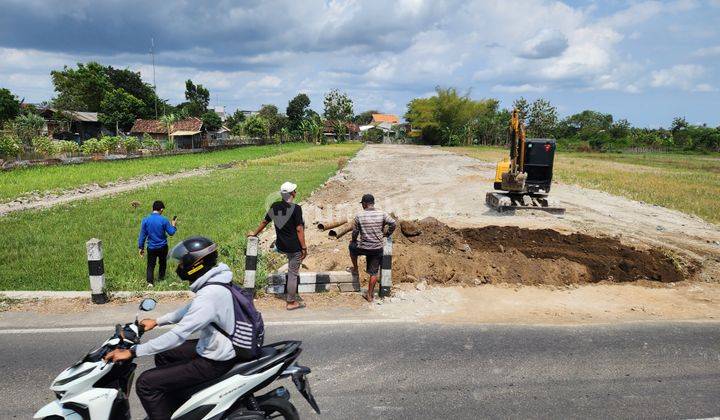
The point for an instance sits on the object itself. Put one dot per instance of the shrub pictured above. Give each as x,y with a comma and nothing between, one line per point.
131,144
44,145
9,145
65,146
168,145
110,143
92,147
150,143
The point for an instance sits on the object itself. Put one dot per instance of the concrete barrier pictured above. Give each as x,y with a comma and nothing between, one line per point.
96,267
386,269
251,251
311,282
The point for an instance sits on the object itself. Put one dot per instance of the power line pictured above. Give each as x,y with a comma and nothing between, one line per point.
152,53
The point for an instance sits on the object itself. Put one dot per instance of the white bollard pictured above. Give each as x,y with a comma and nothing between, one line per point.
251,262
386,269
96,267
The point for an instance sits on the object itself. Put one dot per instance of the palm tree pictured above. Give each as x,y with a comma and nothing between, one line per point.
169,120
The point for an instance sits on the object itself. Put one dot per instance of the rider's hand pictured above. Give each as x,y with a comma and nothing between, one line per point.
251,234
303,253
148,324
118,355
142,252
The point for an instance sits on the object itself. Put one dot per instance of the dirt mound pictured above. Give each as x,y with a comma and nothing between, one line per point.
438,253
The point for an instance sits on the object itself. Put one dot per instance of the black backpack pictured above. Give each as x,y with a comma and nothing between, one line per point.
249,333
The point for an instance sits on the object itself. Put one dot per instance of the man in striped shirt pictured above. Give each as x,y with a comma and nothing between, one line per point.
368,227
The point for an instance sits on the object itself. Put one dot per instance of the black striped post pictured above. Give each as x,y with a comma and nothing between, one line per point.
386,272
97,270
251,251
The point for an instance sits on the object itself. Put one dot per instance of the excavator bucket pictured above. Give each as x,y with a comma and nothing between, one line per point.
503,202
513,182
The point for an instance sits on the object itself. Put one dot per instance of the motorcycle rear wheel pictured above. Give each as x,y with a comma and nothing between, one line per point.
279,408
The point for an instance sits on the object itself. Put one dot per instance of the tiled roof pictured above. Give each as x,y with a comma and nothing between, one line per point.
148,126
380,118
188,124
159,127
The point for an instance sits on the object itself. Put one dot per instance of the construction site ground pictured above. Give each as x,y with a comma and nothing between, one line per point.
607,259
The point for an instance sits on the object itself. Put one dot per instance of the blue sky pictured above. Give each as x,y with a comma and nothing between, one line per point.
647,61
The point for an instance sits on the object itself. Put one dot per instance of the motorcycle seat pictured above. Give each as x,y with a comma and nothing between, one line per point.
266,353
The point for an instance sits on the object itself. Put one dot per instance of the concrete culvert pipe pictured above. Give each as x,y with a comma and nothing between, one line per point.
331,224
340,231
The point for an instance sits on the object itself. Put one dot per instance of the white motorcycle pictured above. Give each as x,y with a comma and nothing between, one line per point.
92,389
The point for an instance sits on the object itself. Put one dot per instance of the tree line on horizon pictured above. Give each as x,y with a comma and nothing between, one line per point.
453,119
120,96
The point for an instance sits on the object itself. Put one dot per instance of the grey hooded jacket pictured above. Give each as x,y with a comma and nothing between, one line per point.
213,303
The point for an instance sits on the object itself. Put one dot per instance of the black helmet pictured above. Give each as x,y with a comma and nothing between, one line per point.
195,256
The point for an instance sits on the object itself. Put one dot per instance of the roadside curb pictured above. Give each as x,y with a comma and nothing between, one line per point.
51,294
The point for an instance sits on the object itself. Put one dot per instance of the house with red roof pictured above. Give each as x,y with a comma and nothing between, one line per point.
188,133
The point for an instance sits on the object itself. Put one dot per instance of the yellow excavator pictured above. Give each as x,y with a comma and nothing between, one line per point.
523,181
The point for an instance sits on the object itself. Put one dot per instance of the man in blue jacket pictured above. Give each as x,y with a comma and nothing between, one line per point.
154,229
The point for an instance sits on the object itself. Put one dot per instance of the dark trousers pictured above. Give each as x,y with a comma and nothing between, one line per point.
160,389
152,256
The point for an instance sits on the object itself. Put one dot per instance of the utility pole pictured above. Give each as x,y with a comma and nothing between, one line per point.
152,53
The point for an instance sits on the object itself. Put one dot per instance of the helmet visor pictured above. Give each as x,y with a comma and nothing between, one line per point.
178,252
181,255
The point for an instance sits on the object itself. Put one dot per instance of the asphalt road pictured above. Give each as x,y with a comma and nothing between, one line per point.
409,371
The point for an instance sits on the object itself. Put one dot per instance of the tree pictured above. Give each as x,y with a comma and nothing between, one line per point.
211,120
521,104
365,117
338,106
678,124
256,126
542,119
131,82
450,118
276,121
296,110
233,120
9,106
169,120
81,89
198,99
120,109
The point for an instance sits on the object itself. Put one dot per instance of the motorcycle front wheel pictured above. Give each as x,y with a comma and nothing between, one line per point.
279,408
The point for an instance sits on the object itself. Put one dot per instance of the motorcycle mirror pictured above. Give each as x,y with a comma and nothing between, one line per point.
148,305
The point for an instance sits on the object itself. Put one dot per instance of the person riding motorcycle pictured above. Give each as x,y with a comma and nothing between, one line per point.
182,363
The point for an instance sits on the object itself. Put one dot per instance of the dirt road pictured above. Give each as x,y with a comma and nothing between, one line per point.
415,182
35,202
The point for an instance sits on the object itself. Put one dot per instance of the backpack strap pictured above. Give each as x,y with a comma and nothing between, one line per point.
214,324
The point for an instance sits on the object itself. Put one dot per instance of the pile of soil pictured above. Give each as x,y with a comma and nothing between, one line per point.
432,251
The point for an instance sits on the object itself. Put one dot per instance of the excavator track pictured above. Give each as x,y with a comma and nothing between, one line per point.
502,202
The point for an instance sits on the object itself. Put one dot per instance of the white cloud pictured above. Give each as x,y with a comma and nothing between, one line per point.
519,88
547,43
704,87
264,82
707,51
682,76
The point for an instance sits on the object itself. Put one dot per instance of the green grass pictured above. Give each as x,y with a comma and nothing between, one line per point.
45,250
18,182
686,182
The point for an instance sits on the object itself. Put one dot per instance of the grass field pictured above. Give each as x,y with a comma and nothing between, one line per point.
45,250
689,183
18,182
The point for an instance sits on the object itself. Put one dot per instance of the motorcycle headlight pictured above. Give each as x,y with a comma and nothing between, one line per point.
74,377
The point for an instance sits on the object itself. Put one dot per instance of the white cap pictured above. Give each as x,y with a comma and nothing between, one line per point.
287,188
